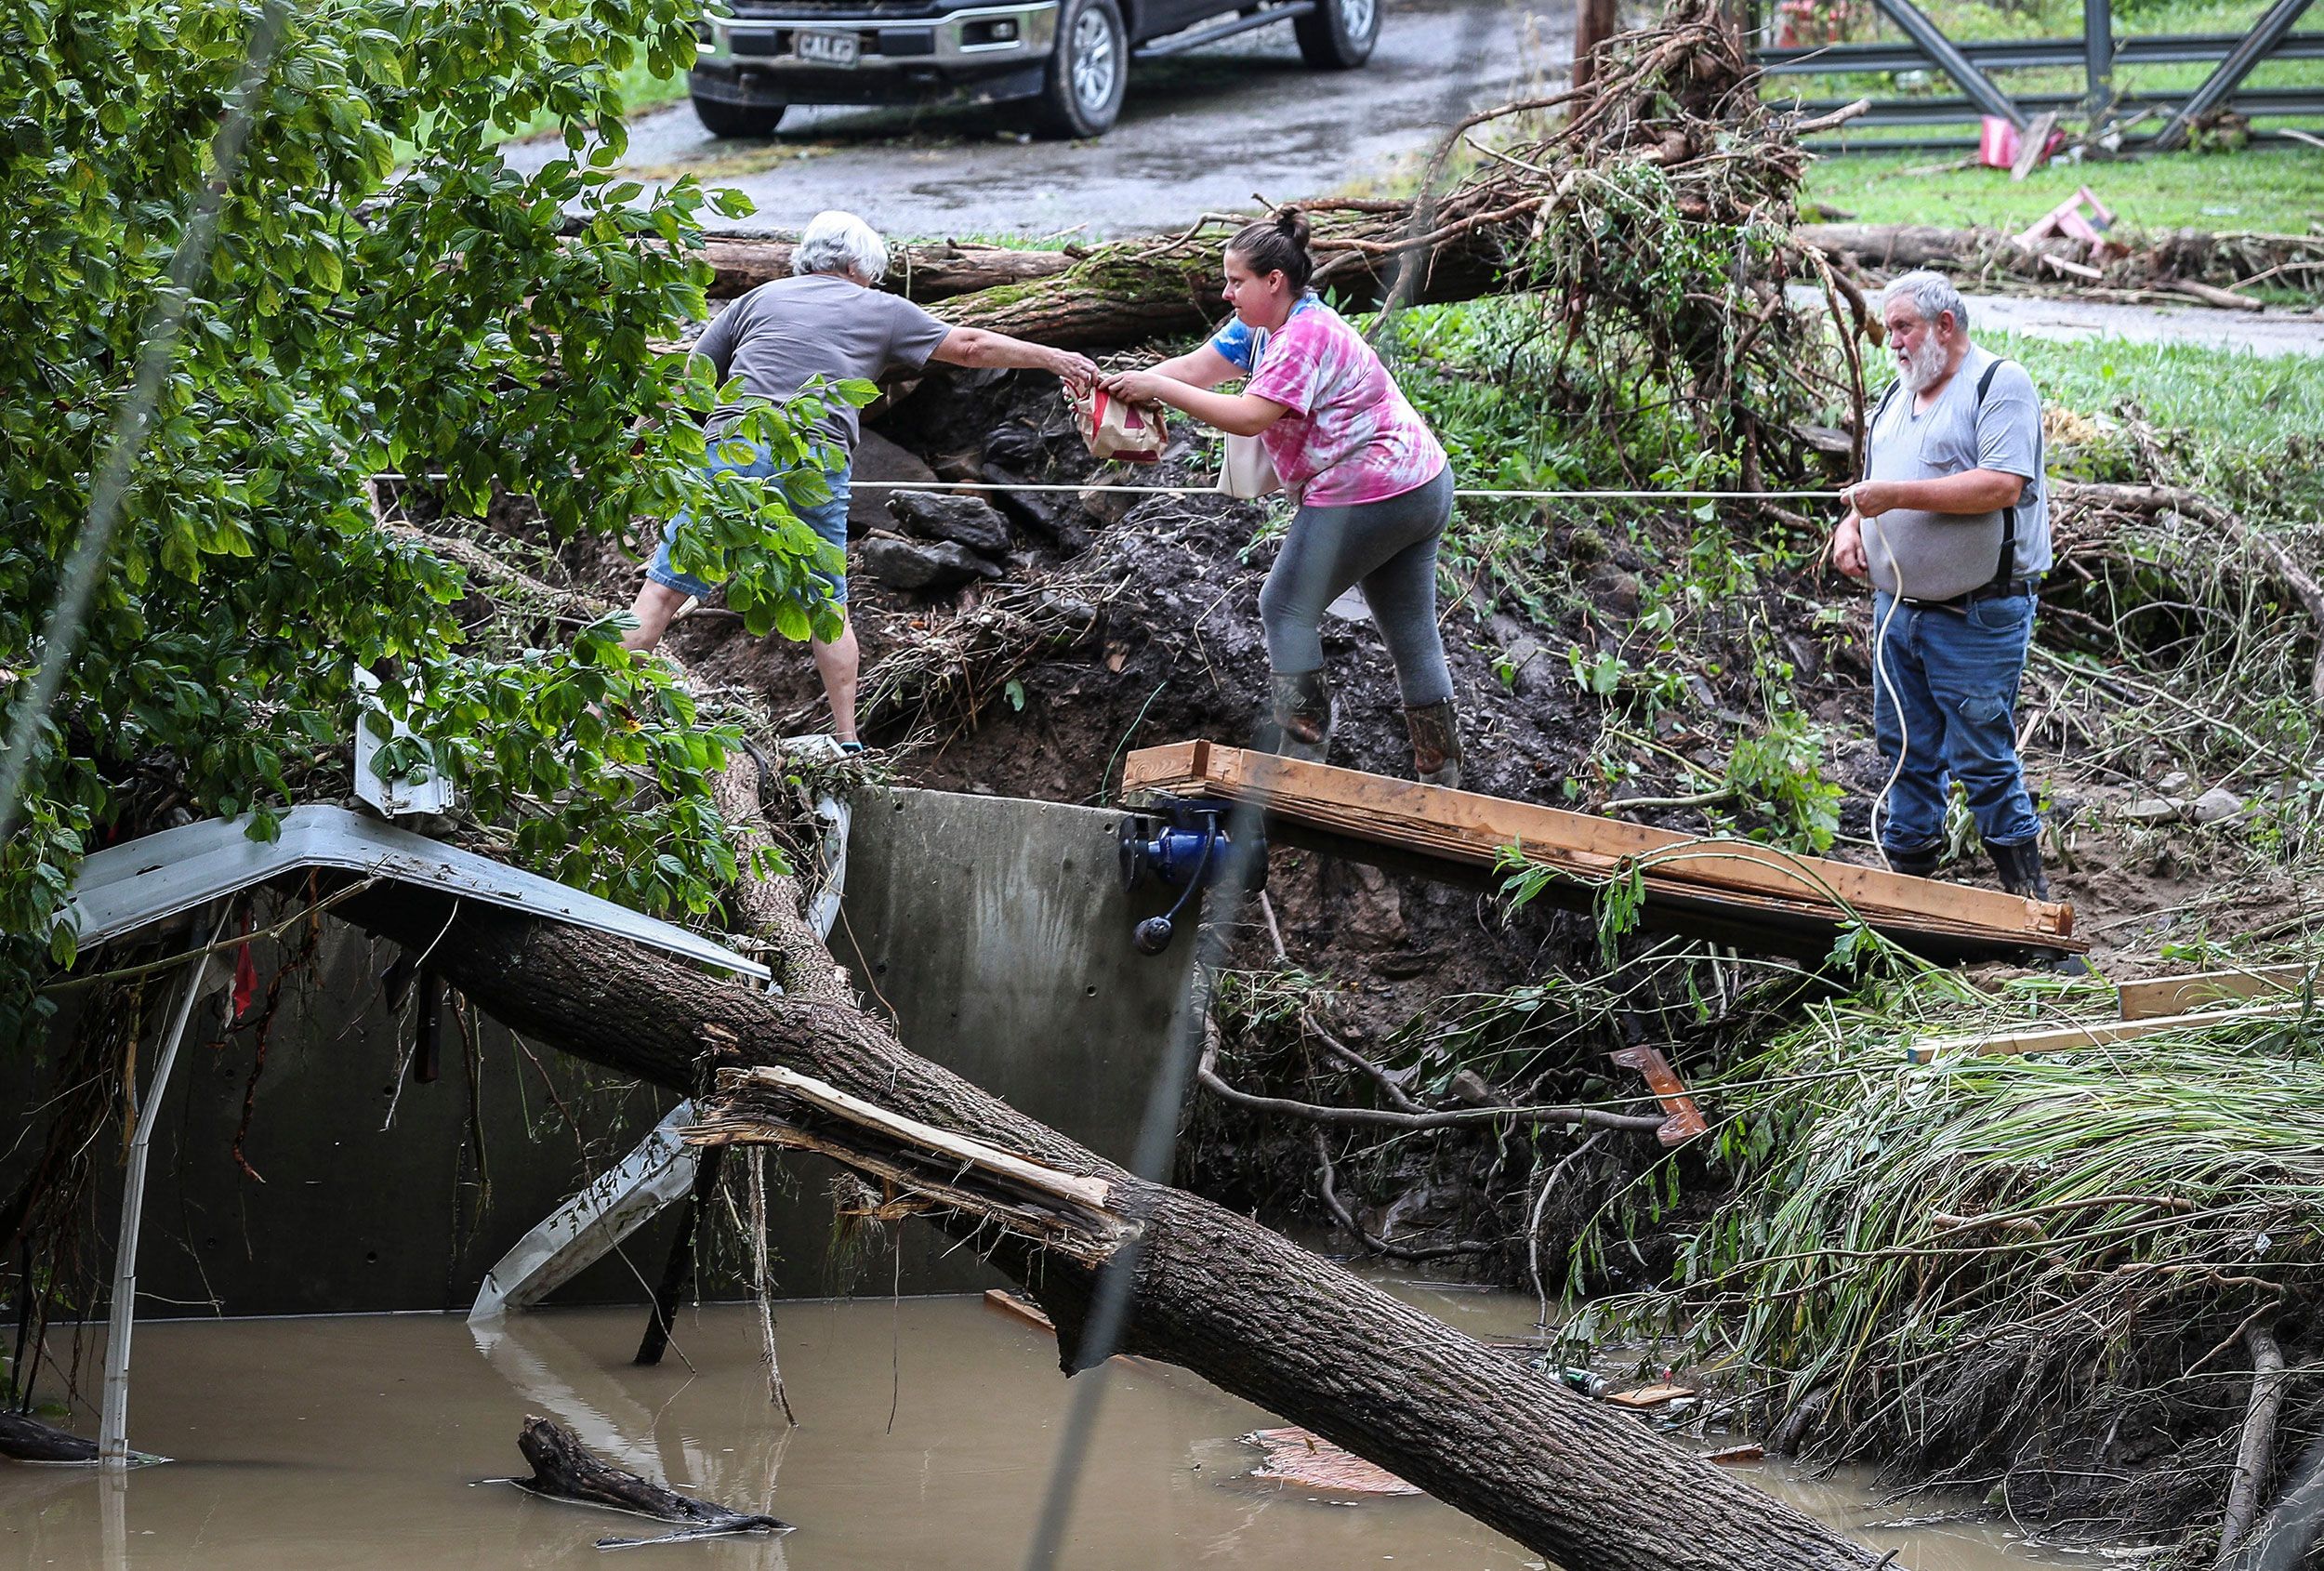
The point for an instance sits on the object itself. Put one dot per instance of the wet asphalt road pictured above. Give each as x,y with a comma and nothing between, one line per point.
1200,132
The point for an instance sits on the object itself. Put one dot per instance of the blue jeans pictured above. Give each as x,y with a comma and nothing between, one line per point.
827,519
1954,676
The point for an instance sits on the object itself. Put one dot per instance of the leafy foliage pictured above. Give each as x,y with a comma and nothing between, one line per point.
356,318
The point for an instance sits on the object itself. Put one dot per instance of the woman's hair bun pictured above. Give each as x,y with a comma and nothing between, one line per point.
1277,243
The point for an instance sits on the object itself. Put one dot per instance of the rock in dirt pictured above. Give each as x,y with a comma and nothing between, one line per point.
1108,508
965,521
2154,809
1036,512
2175,784
923,569
876,459
2217,805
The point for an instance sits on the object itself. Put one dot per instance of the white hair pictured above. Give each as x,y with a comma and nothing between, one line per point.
836,242
1931,295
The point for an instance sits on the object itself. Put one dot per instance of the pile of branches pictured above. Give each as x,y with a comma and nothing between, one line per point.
2049,1280
934,682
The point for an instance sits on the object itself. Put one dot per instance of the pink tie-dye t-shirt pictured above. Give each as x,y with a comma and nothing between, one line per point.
1349,436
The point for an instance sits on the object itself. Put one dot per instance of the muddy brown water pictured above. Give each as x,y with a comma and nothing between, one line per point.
927,1432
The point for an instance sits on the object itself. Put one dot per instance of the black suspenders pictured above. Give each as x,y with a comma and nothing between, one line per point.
2006,569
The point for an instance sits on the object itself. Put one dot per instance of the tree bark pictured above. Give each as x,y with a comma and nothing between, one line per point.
563,1468
1215,1292
2255,1453
28,1440
1594,22
936,271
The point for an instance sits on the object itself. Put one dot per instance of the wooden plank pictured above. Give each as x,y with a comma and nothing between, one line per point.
2179,994
1468,829
2089,1034
1017,1308
1649,1395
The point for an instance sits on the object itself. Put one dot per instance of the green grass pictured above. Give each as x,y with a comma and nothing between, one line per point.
2231,400
2277,190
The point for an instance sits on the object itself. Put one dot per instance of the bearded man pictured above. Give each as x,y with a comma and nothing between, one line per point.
1951,525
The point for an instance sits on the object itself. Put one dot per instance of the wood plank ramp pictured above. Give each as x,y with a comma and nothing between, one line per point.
1736,891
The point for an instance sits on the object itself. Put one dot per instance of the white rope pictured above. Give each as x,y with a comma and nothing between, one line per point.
1474,496
1481,495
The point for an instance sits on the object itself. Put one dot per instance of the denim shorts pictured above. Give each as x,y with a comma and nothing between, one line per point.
827,519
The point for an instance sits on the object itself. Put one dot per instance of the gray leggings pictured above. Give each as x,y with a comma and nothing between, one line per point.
1390,547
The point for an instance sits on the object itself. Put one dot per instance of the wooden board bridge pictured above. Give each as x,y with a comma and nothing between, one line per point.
1735,891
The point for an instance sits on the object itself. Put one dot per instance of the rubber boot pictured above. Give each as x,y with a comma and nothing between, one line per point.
1304,711
1435,744
1920,864
2020,868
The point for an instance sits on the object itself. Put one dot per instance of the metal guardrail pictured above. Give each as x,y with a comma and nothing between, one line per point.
2169,48
2098,52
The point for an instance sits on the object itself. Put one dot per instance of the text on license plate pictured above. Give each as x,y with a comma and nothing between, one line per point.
825,48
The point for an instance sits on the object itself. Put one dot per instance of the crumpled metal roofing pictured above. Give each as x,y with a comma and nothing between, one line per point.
123,888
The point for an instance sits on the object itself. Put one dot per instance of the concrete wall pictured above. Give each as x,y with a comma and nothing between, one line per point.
995,931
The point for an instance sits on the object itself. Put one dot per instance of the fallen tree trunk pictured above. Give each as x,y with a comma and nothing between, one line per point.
1215,1292
2185,261
933,271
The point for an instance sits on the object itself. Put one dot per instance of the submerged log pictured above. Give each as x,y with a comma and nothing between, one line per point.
1214,1291
28,1440
565,1470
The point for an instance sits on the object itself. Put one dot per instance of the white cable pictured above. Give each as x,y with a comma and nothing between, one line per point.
938,485
1880,678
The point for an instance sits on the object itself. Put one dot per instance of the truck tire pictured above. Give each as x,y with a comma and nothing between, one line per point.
1338,34
737,119
1082,94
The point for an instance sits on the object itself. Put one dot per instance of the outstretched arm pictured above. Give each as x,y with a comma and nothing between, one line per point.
1204,367
1236,414
974,346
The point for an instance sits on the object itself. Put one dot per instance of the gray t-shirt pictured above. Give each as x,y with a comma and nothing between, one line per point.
1942,555
782,334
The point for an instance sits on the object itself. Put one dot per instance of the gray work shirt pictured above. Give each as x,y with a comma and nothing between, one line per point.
782,334
1941,555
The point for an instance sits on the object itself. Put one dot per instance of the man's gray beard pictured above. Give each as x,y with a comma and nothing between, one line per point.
1923,367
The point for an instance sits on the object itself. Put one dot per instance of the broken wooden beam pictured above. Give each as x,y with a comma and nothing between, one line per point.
1732,890
1684,1120
2183,995
918,1161
2006,1043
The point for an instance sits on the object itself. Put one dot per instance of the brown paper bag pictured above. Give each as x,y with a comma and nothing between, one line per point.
1131,432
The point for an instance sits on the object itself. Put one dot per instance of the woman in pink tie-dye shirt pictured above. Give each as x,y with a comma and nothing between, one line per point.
1372,485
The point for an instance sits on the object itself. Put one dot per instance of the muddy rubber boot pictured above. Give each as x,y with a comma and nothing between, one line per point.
2020,868
1920,864
1303,710
1435,744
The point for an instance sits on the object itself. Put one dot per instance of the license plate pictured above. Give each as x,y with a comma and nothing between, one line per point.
825,48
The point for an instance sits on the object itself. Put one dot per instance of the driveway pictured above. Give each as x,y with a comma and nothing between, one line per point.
1200,132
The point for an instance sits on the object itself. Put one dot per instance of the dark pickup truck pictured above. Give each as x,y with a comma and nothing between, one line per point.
1068,59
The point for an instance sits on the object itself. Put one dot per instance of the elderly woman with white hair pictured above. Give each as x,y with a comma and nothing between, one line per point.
827,321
